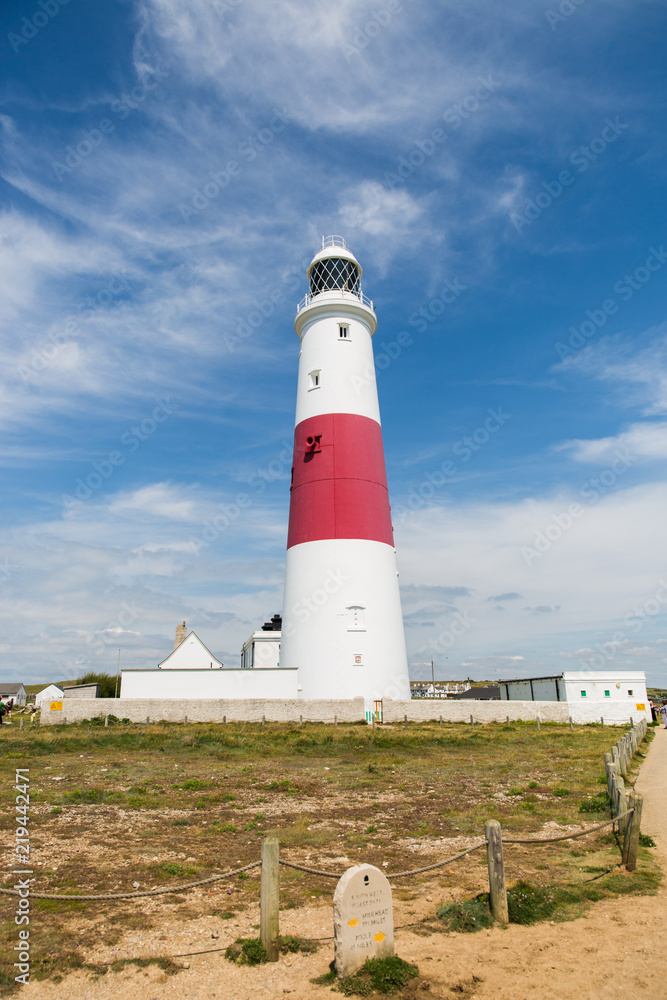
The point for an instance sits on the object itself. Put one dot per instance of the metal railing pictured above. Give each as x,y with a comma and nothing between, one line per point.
360,297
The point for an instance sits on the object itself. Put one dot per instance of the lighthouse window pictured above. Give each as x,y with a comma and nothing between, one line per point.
344,332
315,379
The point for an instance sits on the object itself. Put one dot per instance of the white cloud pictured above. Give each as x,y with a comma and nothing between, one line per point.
639,441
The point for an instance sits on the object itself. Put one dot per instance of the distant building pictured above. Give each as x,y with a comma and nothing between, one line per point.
489,693
189,653
82,691
590,694
439,689
15,691
50,693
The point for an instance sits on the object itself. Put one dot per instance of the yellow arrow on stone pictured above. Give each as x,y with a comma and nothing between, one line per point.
380,936
352,923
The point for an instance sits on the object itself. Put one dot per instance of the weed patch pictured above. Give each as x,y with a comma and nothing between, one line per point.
468,916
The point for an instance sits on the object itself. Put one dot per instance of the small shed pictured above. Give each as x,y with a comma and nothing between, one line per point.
15,691
82,691
50,693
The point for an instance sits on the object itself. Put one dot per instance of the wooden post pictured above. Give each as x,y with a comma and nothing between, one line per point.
269,904
632,828
472,721
185,720
405,721
148,719
571,727
441,722
224,720
602,721
336,721
106,720
621,803
300,720
21,723
494,857
622,763
373,720
538,723
263,720
508,722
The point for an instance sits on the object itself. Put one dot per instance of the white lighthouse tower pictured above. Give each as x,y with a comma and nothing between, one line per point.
342,620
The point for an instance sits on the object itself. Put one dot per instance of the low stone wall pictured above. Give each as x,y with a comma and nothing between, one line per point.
291,710
204,710
431,710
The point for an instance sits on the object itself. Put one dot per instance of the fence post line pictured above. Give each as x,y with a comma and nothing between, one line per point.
494,857
632,829
269,904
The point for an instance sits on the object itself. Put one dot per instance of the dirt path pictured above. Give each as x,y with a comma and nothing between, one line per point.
618,947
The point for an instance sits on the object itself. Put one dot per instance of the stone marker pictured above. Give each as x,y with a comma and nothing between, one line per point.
363,918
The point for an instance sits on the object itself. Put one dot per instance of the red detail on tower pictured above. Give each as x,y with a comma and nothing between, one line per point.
339,481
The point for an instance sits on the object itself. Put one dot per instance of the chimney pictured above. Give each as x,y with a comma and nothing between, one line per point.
181,633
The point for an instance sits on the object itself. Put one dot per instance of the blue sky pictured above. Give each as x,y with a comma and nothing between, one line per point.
168,169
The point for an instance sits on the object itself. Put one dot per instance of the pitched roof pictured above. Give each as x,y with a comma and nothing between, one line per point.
182,644
10,688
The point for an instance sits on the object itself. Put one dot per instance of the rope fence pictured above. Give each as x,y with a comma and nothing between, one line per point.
626,818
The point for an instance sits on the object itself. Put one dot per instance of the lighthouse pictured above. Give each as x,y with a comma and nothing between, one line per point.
342,620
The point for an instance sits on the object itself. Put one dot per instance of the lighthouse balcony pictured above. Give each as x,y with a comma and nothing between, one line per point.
333,295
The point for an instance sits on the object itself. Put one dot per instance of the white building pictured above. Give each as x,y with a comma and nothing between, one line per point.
15,691
50,693
192,671
591,695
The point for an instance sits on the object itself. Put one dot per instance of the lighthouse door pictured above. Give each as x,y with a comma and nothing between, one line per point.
377,710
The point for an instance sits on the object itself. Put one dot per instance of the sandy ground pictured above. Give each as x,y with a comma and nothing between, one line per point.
618,946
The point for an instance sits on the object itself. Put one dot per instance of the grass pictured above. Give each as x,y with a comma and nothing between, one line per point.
133,799
251,951
377,975
469,915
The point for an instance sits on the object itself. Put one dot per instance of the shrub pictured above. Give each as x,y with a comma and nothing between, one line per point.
379,975
469,915
596,804
528,903
246,951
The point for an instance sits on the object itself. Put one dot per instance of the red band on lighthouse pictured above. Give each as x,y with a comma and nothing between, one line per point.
339,482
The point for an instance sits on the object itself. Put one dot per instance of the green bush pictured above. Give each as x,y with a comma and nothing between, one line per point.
596,804
468,916
379,975
246,951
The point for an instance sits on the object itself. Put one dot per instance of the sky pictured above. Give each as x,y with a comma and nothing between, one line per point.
167,171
